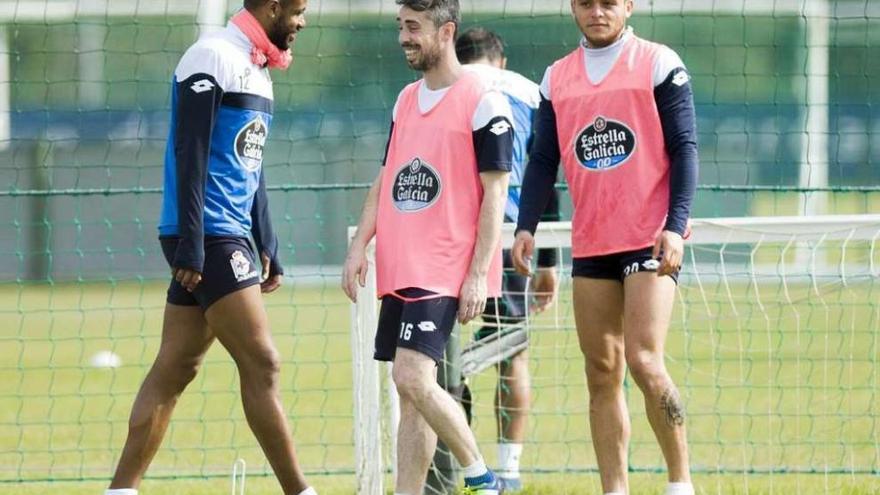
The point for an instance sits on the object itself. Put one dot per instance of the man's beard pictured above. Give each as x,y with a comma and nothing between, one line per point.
426,60
279,36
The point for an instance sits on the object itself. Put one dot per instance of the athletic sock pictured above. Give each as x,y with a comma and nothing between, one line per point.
508,460
475,470
680,488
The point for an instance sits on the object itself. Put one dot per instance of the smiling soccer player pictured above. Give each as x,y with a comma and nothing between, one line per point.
436,210
214,201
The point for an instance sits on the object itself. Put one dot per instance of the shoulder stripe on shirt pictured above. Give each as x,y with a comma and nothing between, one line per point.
247,101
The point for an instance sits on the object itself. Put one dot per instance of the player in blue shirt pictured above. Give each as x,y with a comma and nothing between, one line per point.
482,51
214,202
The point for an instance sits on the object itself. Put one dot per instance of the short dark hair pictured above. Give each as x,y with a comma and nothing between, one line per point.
255,4
477,43
441,11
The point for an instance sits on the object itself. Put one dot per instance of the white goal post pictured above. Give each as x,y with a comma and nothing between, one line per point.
374,398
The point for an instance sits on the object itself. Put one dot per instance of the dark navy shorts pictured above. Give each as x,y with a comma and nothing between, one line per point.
230,266
422,325
617,266
509,309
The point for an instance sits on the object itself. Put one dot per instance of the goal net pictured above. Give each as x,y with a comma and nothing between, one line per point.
774,345
786,94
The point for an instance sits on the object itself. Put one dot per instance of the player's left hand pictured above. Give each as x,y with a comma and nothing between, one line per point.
670,246
523,248
269,283
472,298
544,288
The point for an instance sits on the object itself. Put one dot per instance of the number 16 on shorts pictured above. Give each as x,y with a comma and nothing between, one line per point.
405,330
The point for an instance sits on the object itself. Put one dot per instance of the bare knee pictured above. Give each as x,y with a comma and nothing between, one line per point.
174,373
261,368
604,374
411,385
648,371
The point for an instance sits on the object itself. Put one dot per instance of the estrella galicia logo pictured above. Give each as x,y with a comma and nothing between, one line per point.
416,187
604,144
249,144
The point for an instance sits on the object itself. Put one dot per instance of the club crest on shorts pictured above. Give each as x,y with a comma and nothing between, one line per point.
416,186
604,144
241,267
249,144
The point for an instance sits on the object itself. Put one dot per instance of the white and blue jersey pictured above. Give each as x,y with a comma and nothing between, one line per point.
524,97
221,112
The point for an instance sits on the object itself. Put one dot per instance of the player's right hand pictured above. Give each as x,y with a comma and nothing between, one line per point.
472,297
187,277
354,272
522,251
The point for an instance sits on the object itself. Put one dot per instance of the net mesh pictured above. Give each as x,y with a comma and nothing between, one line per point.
84,100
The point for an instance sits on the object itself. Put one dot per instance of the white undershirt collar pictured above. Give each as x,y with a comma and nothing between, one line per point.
600,61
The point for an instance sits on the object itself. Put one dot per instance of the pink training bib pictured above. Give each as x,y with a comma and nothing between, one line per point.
430,195
613,152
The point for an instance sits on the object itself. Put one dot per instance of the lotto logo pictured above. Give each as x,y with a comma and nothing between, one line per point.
427,326
202,86
651,264
499,128
681,78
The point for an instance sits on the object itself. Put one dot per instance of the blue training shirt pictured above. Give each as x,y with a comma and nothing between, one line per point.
221,112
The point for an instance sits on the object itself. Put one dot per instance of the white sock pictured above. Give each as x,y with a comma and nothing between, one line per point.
614,493
120,491
308,491
508,459
680,488
475,470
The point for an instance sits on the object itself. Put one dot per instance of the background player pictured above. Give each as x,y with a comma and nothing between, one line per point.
215,198
482,51
436,210
619,113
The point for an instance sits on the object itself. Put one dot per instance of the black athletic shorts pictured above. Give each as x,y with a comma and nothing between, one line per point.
422,325
229,267
510,308
617,266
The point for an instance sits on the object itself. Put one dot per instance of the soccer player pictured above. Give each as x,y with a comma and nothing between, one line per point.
436,210
618,112
215,199
482,51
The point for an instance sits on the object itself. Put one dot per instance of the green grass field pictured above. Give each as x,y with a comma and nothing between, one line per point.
781,387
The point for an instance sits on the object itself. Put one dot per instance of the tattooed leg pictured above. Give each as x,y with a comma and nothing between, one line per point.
672,407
